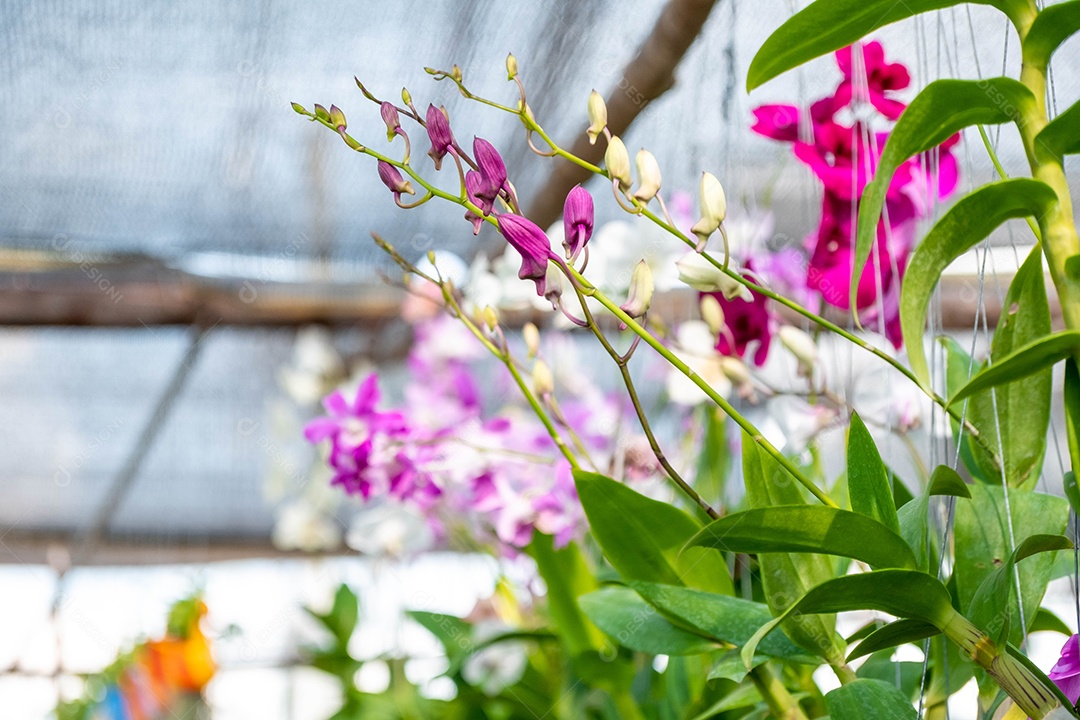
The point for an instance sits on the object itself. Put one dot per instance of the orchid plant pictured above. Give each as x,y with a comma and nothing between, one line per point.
962,564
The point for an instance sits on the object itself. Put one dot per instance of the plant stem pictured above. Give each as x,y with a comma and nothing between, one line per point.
776,696
716,397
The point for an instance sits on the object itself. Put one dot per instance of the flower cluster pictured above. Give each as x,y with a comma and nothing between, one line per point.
441,457
844,156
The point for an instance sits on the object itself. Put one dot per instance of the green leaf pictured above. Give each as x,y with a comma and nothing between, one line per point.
567,578
642,537
868,478
719,617
982,542
621,613
959,367
881,666
869,699
714,458
993,608
1061,136
946,481
807,528
342,618
453,633
1072,416
1028,360
904,593
895,633
785,577
1046,621
965,224
1052,26
828,25
1019,413
943,108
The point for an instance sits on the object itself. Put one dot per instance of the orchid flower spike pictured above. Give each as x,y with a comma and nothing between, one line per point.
438,130
393,180
578,214
492,173
532,244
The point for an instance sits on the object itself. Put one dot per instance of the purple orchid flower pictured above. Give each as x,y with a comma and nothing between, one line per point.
577,221
473,183
1066,672
393,180
438,130
532,244
492,173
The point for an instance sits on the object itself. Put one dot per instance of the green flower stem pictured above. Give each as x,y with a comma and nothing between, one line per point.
623,363
753,432
781,704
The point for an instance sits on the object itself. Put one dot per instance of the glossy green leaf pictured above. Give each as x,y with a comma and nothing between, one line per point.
946,481
625,616
1052,26
642,537
743,696
719,617
828,25
1061,136
1014,418
943,108
895,633
963,226
904,593
993,608
982,541
1046,621
868,478
1072,416
807,528
567,578
866,699
1027,360
785,577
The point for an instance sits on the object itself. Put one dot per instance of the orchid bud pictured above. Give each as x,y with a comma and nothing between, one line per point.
491,318
543,380
532,244
300,109
578,214
455,73
511,67
597,116
322,113
712,314
392,179
735,369
391,118
406,97
337,118
648,171
553,285
700,274
438,130
472,184
617,160
531,334
492,173
800,345
713,208
641,291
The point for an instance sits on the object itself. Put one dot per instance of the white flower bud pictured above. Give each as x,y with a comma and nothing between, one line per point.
713,208
491,318
801,346
639,298
511,67
700,274
597,116
648,171
712,314
553,285
617,161
543,380
735,369
531,334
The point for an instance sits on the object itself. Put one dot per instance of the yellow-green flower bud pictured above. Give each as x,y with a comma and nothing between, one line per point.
617,161
712,314
597,116
491,318
511,67
300,109
641,291
531,334
648,172
543,380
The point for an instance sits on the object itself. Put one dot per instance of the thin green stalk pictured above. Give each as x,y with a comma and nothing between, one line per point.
780,702
716,397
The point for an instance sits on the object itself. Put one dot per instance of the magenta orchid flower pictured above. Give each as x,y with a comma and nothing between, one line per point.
492,173
473,183
746,322
438,130
577,221
392,179
1066,672
532,244
882,80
